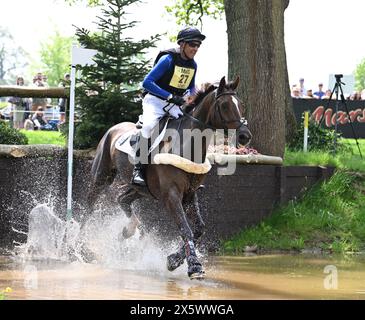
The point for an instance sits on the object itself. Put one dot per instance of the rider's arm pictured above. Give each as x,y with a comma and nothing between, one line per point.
149,83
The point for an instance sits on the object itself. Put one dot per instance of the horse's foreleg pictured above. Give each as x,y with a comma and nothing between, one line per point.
192,210
174,205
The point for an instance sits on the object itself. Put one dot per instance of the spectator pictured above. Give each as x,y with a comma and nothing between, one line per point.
303,90
295,92
362,96
38,102
356,95
44,80
19,106
40,121
309,94
63,101
320,93
28,123
7,113
327,94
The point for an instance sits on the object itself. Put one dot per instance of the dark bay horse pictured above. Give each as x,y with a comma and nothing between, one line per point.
214,108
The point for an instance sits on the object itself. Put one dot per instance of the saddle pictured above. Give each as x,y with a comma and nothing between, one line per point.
127,142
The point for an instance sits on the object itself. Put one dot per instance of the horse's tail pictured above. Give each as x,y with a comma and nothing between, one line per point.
101,169
102,164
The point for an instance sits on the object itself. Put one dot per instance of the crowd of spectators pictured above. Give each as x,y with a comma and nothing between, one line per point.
35,113
298,91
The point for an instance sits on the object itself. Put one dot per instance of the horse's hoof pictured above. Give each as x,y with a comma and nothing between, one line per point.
195,269
197,275
127,234
174,261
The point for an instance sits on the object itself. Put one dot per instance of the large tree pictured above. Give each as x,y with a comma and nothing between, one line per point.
256,52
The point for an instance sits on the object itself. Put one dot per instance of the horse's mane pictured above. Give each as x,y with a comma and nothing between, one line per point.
199,96
202,93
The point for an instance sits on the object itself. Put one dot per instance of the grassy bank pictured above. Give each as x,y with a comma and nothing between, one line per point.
330,217
45,137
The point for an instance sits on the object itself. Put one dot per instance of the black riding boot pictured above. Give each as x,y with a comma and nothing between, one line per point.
137,176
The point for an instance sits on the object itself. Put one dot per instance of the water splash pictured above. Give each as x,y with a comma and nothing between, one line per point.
46,234
98,240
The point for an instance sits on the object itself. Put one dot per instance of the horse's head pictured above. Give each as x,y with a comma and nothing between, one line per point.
226,111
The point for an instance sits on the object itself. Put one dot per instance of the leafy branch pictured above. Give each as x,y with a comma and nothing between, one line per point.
189,12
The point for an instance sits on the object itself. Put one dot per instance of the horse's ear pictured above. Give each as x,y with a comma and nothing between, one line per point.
235,83
222,85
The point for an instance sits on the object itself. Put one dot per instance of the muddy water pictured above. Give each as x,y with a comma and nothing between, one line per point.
254,277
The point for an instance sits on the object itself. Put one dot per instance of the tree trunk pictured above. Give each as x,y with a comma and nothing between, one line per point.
256,52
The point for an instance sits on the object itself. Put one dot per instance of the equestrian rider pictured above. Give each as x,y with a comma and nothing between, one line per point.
170,79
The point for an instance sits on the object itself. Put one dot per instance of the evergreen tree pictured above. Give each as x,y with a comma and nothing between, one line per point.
108,92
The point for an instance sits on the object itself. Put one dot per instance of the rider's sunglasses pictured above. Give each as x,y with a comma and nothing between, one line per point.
194,44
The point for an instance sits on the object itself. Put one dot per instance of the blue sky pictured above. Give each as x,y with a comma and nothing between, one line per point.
322,36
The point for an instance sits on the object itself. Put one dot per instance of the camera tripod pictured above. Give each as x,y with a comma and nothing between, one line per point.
337,89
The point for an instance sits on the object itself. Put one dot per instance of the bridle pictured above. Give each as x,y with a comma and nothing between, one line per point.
241,122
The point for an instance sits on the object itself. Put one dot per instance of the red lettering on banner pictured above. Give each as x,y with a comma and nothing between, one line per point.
362,119
317,114
357,115
341,118
327,117
354,114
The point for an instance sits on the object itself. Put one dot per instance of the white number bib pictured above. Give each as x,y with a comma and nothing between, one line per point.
182,77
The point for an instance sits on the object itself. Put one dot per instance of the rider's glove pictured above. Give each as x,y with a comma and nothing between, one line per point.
175,111
179,101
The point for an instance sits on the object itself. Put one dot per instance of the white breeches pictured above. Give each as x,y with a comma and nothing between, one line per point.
152,113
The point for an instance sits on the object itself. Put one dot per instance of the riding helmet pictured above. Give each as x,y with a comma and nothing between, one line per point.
190,34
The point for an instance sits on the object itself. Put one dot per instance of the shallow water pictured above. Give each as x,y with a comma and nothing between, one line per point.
135,268
251,277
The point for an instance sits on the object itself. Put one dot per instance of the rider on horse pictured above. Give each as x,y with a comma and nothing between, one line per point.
170,79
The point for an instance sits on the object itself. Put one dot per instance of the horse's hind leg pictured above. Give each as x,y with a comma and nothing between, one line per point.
174,205
192,210
125,201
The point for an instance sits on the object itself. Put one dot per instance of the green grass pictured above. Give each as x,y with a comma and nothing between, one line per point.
45,137
3,104
348,158
330,217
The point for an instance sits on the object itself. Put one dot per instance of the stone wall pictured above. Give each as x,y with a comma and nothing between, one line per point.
228,203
